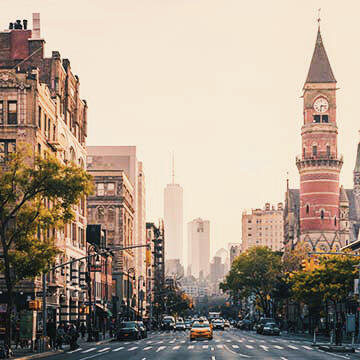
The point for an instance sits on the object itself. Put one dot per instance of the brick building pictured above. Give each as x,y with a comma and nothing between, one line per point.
263,227
112,206
40,105
321,214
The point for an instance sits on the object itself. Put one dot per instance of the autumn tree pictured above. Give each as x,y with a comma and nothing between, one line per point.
36,199
255,272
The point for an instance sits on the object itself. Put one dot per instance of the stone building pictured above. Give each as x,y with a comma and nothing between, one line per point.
263,227
40,105
321,214
112,206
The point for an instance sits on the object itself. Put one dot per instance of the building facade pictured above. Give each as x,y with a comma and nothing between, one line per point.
40,105
263,227
235,250
173,221
112,206
199,247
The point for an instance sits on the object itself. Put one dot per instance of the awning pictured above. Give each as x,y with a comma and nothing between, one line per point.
104,310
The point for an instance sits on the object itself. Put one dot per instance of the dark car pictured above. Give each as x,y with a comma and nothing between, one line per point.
270,329
143,329
128,330
244,324
261,323
168,323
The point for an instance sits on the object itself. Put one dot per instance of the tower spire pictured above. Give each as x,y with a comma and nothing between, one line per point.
320,69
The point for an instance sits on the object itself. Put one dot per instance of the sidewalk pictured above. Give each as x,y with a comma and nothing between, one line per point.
25,354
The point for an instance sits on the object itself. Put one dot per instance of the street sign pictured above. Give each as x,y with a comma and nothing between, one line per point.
350,323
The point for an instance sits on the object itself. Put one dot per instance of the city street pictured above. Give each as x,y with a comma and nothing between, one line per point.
228,344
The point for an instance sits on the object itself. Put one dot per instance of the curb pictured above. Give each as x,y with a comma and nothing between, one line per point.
51,353
339,349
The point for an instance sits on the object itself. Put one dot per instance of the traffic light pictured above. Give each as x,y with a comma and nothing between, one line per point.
35,305
148,257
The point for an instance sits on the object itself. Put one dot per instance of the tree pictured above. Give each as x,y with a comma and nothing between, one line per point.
255,272
331,281
36,199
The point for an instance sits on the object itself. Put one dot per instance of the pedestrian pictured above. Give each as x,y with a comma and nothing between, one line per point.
51,331
338,333
60,334
73,337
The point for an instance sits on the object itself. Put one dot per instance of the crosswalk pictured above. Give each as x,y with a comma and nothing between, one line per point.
158,347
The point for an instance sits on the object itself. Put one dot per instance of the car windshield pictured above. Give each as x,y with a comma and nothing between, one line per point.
270,324
218,321
128,324
201,325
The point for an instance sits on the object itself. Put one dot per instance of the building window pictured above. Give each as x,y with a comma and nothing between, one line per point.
100,189
328,150
100,213
325,118
6,147
304,152
307,208
111,214
322,214
1,112
316,118
110,189
12,112
39,118
73,234
314,148
335,221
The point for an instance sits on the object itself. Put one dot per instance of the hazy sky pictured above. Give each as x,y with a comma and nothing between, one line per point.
218,82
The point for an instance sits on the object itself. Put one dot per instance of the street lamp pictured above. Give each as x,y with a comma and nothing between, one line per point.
130,270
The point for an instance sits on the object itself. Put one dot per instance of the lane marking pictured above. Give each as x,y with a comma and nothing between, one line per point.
228,340
147,348
213,358
88,350
149,342
118,349
160,348
265,348
176,347
283,358
249,346
190,346
307,347
160,342
74,351
104,349
220,346
205,346
133,348
278,347
252,341
92,356
235,346
293,347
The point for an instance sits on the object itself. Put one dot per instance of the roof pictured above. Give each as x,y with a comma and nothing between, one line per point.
343,196
320,69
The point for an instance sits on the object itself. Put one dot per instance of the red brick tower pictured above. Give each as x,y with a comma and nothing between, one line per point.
319,165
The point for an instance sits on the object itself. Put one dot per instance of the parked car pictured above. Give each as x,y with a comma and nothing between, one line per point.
218,324
227,323
168,323
128,330
270,328
201,329
143,329
188,324
260,325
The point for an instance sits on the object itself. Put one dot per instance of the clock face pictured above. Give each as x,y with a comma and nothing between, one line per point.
321,105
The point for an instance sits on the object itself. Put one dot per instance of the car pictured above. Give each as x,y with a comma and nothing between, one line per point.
142,329
188,324
270,328
201,329
227,323
168,323
218,324
244,324
261,323
180,325
128,330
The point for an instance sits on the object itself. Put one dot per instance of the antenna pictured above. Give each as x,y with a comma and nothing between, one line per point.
287,180
319,18
173,168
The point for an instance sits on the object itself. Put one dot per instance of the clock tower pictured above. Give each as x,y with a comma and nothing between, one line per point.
319,164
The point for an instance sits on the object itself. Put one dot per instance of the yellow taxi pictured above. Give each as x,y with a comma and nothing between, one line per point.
201,329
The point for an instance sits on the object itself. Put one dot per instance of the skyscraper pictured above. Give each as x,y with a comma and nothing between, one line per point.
199,247
173,220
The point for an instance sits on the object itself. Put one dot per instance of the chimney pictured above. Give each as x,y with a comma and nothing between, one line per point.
36,26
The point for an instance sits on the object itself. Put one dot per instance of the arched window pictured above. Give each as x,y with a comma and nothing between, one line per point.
322,214
307,208
314,150
335,221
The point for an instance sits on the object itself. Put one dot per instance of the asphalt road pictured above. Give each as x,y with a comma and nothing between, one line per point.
226,345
